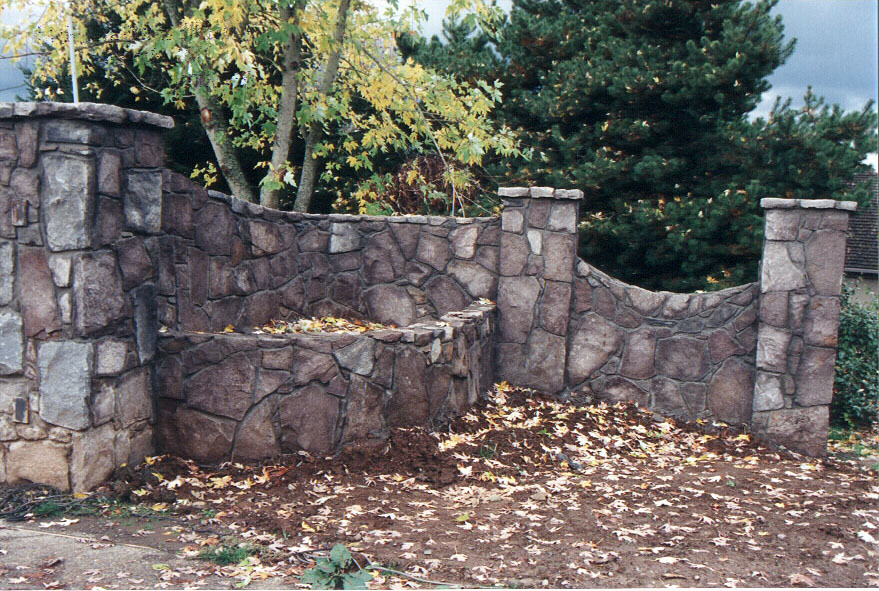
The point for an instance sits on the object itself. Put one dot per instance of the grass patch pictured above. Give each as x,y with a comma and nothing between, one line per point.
228,553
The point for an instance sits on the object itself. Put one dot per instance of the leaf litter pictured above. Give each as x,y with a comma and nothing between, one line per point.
526,491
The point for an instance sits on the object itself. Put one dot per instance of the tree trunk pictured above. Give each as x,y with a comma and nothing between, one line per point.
283,142
309,162
217,129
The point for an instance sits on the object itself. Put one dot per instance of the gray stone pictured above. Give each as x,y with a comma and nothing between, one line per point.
563,217
682,358
544,363
146,321
778,272
517,298
344,238
102,405
445,295
309,421
191,434
11,343
390,304
60,266
134,397
604,303
65,383
822,322
815,376
92,459
479,282
26,133
358,357
382,260
782,224
109,173
97,293
555,306
39,310
408,405
617,389
676,305
695,397
225,389
43,462
798,304
407,237
110,357
772,346
269,381
512,192
68,200
134,262
559,250
825,257
433,250
7,275
512,220
464,241
768,392
535,240
513,254
773,308
835,220
731,392
590,346
142,201
311,365
801,429
364,413
256,438
644,301
266,238
214,227
637,360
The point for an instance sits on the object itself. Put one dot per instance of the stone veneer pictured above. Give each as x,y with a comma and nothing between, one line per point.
112,269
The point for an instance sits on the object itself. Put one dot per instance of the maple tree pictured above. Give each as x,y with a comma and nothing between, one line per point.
317,80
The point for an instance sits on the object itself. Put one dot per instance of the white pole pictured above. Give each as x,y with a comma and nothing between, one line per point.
72,59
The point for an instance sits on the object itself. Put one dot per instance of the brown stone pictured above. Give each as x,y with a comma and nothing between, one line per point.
364,413
544,367
463,240
773,308
731,391
25,185
39,309
390,304
778,271
134,397
695,397
191,434
646,302
479,282
582,296
269,381
801,429
538,213
604,303
822,322
513,254
617,389
772,348
256,438
26,133
169,374
815,376
445,295
382,260
309,421
407,238
225,389
782,224
97,293
213,228
825,257
134,262
517,297
311,365
92,460
682,358
433,250
554,307
408,404
667,399
109,173
266,238
439,380
722,345
637,361
590,346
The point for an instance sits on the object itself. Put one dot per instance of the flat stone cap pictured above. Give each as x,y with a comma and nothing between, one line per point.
775,203
540,193
86,112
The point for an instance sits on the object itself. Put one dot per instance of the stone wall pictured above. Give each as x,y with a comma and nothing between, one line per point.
102,250
79,188
225,261
236,396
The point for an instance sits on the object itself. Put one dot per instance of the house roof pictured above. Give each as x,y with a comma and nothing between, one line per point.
862,250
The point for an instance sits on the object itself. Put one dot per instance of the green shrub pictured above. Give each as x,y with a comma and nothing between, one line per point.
855,390
338,571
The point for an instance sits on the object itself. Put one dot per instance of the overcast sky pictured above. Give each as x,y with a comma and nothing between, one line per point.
836,51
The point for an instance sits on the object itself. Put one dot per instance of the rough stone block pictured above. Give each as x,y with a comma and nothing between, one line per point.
26,133
134,262
382,260
589,347
559,251
7,275
778,271
65,369
773,308
463,239
256,438
768,392
517,299
68,200
134,399
555,306
476,279
92,460
544,367
142,201
815,376
408,405
390,304
192,434
731,392
214,227
43,462
445,295
721,345
825,257
617,389
310,421
800,429
563,217
344,238
109,173
512,220
358,357
822,322
11,343
782,224
667,399
682,358
513,254
433,251
772,348
225,389
637,360
146,321
364,414
111,357
97,293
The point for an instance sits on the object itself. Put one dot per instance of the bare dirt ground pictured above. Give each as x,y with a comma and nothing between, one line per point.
522,491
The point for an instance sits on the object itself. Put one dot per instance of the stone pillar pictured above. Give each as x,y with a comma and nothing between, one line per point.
537,258
800,281
80,197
